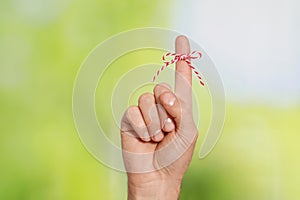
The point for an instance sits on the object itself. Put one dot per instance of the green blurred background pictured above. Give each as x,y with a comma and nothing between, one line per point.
42,45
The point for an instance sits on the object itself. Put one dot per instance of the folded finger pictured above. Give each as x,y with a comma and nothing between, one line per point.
135,119
151,118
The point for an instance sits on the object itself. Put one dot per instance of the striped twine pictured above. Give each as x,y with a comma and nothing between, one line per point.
173,58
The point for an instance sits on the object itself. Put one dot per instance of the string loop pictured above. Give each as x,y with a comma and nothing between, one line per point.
171,58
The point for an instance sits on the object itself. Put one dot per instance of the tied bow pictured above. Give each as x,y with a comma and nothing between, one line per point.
173,58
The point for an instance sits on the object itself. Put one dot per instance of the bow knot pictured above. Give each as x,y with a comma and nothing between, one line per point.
171,58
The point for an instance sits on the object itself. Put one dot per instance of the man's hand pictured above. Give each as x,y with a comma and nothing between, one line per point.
159,136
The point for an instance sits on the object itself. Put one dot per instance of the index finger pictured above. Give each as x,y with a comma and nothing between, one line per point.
183,75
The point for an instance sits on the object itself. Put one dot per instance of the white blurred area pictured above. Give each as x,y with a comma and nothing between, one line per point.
254,44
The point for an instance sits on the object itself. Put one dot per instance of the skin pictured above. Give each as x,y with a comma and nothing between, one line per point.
159,135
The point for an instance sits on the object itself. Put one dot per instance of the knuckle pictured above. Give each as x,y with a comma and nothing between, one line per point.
166,95
146,97
161,86
157,88
131,110
166,85
133,117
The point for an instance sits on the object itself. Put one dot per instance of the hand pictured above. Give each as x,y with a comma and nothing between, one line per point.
159,136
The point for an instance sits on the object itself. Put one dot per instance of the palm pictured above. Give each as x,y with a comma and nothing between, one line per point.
135,145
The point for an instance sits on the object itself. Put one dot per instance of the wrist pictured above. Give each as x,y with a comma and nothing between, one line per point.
147,186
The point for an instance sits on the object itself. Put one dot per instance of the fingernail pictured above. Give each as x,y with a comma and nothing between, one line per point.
168,125
170,100
158,137
167,121
146,138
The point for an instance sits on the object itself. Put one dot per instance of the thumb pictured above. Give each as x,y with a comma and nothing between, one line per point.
184,122
171,104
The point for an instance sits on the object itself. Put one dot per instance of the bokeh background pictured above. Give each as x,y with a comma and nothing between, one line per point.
254,44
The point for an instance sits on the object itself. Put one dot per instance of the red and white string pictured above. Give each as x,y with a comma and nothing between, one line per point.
174,57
